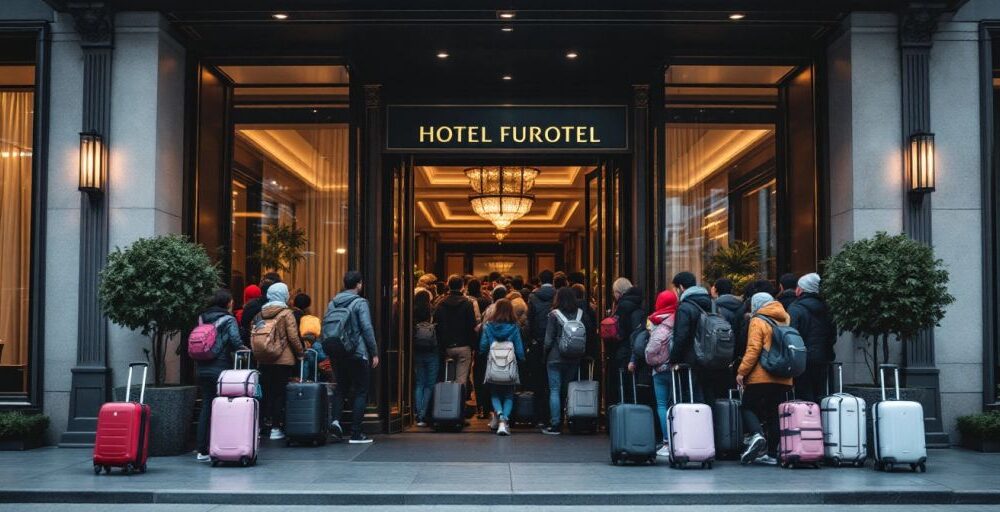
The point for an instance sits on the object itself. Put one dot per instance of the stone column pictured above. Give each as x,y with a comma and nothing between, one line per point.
638,187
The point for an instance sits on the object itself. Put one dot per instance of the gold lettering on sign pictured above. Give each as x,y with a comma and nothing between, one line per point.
464,134
426,134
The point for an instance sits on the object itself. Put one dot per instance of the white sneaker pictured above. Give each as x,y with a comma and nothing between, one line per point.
756,447
494,421
502,430
766,460
664,452
421,423
277,434
202,457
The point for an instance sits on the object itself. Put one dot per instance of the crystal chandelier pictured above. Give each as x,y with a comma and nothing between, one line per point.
501,193
501,266
501,234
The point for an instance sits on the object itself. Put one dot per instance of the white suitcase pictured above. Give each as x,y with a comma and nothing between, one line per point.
692,437
845,426
899,430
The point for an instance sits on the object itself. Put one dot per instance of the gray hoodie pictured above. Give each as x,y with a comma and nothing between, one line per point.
363,321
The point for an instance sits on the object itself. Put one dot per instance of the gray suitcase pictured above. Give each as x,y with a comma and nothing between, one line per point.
307,408
632,432
448,411
583,403
845,421
899,430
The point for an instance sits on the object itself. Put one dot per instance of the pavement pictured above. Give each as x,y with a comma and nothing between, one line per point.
424,470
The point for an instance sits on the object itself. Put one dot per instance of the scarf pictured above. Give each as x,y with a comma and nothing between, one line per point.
666,304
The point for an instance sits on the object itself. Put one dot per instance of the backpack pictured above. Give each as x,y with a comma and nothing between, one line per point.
425,338
658,349
713,342
787,357
309,325
340,336
639,339
501,364
573,338
204,340
609,330
267,345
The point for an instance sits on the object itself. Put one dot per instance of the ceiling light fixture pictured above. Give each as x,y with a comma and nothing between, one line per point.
508,77
279,16
736,16
443,55
507,28
500,234
501,193
501,266
572,55
506,15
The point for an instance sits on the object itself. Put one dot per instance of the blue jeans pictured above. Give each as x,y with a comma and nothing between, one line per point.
425,367
662,387
502,397
560,374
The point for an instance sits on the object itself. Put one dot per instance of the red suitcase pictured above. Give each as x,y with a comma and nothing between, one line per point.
123,431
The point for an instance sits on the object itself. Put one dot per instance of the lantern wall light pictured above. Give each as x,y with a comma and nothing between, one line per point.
921,163
92,163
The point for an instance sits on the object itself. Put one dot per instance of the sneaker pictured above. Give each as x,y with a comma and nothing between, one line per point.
421,423
277,434
336,431
766,460
502,430
202,457
360,438
755,448
664,452
494,421
551,431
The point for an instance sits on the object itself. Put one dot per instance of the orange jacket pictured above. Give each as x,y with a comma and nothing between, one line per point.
759,338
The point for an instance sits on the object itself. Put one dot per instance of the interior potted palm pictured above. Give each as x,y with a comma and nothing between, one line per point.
158,286
885,290
739,262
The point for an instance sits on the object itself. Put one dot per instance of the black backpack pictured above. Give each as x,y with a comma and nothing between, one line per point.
713,341
787,357
339,333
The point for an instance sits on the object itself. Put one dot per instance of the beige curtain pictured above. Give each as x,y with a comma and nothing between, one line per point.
322,213
16,114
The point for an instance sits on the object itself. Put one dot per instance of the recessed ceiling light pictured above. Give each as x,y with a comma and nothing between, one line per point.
572,55
442,55
737,16
279,16
507,28
508,77
506,15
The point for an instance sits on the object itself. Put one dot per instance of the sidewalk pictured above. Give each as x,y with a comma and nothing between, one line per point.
481,469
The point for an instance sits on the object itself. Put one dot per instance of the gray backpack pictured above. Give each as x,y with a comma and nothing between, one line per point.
573,338
713,342
787,357
501,364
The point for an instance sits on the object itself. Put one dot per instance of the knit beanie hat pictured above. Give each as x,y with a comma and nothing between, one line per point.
759,300
809,283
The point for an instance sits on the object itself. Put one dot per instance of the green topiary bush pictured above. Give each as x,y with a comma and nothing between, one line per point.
157,286
984,426
738,262
885,286
15,425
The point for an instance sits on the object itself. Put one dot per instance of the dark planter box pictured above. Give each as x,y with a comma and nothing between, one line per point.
981,445
18,445
172,409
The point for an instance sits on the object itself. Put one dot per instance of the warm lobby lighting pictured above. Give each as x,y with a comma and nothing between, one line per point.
501,193
736,16
279,16
508,77
501,266
572,55
91,163
341,250
921,163
506,15
501,234
443,55
507,28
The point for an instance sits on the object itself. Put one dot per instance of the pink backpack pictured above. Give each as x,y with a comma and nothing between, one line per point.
201,341
658,348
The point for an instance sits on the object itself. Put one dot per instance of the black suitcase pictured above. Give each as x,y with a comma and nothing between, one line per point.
728,427
524,409
448,410
632,431
307,409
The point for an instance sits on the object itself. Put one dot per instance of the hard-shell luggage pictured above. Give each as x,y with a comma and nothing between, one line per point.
728,427
899,430
307,409
122,439
583,402
631,429
524,409
239,381
690,425
448,411
801,434
233,432
845,426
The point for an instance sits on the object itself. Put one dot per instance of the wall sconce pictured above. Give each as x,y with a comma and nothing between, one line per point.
92,163
921,163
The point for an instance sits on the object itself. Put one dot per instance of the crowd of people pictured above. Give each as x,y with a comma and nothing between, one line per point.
472,329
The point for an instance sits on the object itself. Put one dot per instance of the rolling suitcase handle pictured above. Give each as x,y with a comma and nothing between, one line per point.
675,382
895,380
621,387
590,371
840,378
142,388
740,391
236,358
302,365
446,364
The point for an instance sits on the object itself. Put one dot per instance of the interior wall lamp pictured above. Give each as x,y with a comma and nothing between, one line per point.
92,163
921,163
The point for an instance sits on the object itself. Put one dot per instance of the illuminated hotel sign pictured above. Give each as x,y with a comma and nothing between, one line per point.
504,128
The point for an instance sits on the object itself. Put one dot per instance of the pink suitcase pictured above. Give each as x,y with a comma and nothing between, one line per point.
233,436
238,382
692,437
801,434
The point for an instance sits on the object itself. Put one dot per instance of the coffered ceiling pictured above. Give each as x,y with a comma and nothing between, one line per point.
442,205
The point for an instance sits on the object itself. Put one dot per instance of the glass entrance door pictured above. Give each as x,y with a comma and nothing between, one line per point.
398,356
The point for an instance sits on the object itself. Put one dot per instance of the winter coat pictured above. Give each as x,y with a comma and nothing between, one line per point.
494,331
539,305
731,308
811,317
247,314
694,301
759,338
456,322
227,340
630,317
362,321
287,331
786,298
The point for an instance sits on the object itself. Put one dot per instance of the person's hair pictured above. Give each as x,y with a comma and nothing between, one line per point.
565,301
685,280
495,276
503,312
580,290
455,282
576,277
517,282
560,281
621,285
302,301
351,279
545,277
266,282
220,298
474,288
515,294
534,282
421,299
789,281
723,286
757,286
440,287
499,292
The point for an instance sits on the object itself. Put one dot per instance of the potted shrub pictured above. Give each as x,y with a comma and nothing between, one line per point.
739,262
283,248
981,431
20,431
157,286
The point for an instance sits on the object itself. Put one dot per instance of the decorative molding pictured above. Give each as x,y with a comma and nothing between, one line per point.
640,96
918,21
95,22
373,96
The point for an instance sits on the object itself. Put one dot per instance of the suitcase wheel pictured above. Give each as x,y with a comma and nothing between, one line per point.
142,468
129,468
651,461
107,470
919,467
614,461
215,462
244,461
835,462
97,469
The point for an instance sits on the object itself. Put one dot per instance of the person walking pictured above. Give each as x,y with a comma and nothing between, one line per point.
426,359
276,371
456,328
786,289
660,325
539,306
695,300
561,368
502,327
227,341
762,392
353,372
811,317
